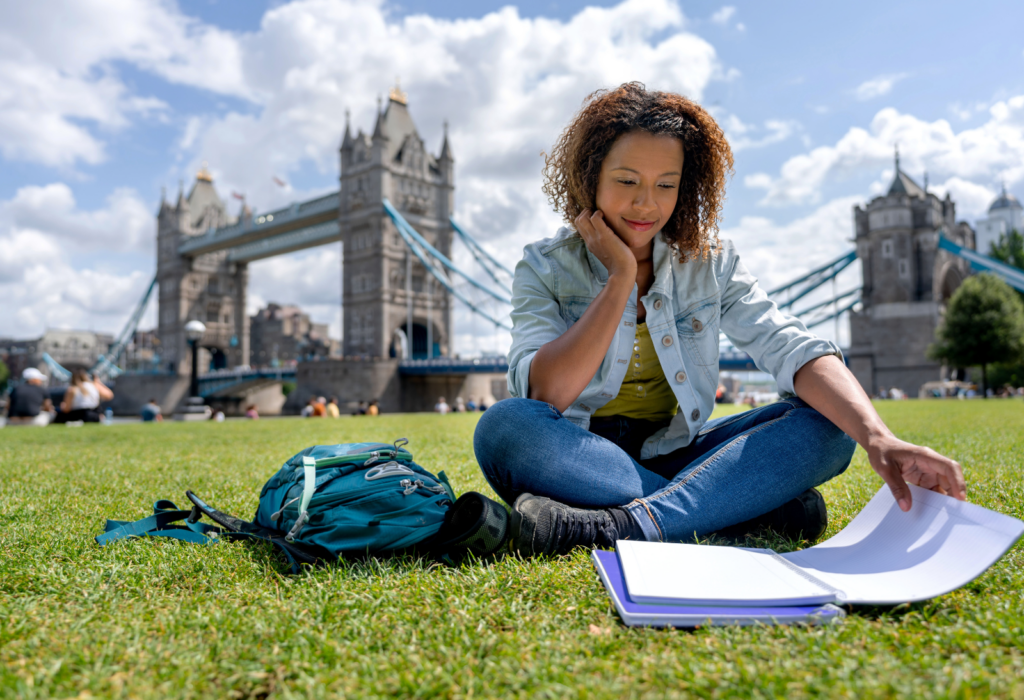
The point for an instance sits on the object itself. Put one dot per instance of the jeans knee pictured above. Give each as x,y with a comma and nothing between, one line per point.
502,430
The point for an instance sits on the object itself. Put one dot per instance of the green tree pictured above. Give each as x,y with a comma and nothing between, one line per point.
5,374
984,324
1009,249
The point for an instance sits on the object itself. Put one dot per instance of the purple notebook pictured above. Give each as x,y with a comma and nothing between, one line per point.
649,615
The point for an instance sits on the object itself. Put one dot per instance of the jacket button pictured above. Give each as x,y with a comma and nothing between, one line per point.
680,377
697,325
666,341
657,304
695,415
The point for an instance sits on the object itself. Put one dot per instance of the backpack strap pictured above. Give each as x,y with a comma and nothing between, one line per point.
237,529
308,489
160,525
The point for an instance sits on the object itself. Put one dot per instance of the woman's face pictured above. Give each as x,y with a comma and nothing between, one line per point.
639,185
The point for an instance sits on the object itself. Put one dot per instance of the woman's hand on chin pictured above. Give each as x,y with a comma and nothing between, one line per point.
606,246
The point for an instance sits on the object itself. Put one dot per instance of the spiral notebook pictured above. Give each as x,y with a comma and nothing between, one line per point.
883,557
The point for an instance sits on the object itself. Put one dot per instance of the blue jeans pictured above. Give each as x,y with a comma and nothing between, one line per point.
737,468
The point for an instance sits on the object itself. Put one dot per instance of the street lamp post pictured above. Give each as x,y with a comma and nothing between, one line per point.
194,408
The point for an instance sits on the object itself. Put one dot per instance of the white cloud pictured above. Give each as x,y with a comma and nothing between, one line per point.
125,224
723,15
58,78
876,87
506,83
43,236
989,153
743,136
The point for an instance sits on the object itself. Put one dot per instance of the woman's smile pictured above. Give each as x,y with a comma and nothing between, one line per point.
640,226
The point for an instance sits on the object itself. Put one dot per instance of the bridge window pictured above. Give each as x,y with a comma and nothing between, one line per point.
212,315
887,248
227,318
904,269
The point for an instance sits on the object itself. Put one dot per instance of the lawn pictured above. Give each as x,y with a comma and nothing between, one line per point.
163,619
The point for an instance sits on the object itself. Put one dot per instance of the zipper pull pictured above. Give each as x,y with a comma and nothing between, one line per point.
277,516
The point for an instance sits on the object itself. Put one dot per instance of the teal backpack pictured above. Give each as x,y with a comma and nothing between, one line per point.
332,501
357,498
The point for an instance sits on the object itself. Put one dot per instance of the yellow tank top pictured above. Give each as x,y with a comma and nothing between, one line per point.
645,393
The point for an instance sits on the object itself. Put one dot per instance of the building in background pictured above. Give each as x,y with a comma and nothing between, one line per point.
1004,215
284,334
907,281
71,349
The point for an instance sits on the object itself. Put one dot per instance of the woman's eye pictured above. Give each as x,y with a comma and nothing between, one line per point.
668,185
627,182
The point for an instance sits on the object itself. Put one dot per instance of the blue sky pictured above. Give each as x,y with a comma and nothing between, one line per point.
813,96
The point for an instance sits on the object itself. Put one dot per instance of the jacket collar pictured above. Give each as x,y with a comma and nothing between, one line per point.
661,257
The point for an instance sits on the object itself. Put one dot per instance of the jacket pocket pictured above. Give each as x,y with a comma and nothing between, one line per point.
698,330
571,308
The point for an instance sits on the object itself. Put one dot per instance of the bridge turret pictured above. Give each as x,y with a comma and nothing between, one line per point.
906,280
394,163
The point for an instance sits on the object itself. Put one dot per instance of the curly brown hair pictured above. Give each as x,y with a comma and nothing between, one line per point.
572,168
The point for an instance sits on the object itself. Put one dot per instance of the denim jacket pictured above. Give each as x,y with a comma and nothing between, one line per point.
687,305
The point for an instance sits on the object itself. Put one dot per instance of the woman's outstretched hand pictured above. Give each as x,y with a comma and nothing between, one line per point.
828,386
900,463
606,246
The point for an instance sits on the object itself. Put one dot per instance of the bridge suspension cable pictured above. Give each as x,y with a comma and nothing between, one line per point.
1009,274
480,254
420,247
106,364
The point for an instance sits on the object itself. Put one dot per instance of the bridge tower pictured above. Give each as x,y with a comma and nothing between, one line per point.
907,281
393,162
206,287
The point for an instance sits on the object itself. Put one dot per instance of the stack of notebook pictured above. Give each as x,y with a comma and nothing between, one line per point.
883,557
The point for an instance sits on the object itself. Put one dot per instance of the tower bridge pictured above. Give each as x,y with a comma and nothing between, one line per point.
393,214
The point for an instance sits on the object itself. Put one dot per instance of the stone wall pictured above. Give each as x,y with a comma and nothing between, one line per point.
133,391
353,380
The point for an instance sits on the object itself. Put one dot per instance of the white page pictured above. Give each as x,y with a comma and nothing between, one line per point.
885,556
690,574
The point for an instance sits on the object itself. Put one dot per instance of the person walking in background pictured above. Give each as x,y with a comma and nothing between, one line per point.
28,401
332,407
82,399
373,409
151,412
251,413
442,406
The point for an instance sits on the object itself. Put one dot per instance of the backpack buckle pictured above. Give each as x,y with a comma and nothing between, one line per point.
385,470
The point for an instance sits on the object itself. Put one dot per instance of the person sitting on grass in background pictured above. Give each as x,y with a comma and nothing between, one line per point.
151,412
441,406
614,360
82,399
460,405
307,410
27,405
251,413
470,405
332,407
320,407
373,409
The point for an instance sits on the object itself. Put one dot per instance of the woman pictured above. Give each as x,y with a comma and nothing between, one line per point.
614,359
82,399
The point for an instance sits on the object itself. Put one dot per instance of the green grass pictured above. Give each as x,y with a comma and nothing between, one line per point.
161,619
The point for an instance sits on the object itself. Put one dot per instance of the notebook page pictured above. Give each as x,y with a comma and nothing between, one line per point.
885,556
690,574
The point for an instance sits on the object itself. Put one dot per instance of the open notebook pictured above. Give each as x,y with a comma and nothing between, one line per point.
883,557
